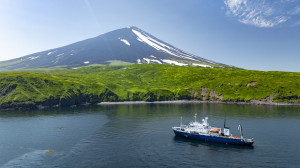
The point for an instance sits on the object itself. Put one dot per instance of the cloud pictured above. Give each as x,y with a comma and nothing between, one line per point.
261,13
295,11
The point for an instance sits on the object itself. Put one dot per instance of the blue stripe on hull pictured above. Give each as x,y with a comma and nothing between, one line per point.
213,138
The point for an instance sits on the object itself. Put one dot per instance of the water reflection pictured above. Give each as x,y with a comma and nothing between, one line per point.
185,110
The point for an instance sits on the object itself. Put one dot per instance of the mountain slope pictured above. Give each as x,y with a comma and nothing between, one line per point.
129,44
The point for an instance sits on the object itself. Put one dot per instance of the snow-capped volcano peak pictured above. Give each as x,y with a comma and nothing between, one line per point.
129,44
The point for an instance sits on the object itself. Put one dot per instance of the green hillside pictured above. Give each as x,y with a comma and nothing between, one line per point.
151,82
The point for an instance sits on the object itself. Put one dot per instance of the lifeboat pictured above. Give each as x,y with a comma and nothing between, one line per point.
215,130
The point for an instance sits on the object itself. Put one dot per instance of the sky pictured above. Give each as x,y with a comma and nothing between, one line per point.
251,34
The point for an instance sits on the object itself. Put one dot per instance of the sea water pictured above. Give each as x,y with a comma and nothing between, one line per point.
140,135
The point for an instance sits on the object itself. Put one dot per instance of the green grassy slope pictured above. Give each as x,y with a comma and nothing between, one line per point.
145,82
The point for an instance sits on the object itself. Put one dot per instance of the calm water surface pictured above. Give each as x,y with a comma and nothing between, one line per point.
141,136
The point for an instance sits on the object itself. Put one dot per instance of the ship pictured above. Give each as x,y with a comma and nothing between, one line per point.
204,132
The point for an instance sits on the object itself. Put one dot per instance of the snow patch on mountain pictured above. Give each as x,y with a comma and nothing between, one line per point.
147,60
32,58
60,54
148,41
202,65
174,62
151,60
51,52
124,41
155,61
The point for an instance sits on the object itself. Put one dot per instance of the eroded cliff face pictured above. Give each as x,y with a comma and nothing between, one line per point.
205,94
268,99
79,97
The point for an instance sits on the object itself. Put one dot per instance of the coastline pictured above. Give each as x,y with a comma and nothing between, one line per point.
27,107
196,102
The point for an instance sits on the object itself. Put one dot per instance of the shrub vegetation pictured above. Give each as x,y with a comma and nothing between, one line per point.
151,82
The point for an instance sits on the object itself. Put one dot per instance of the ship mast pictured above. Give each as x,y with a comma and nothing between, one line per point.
241,131
180,121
